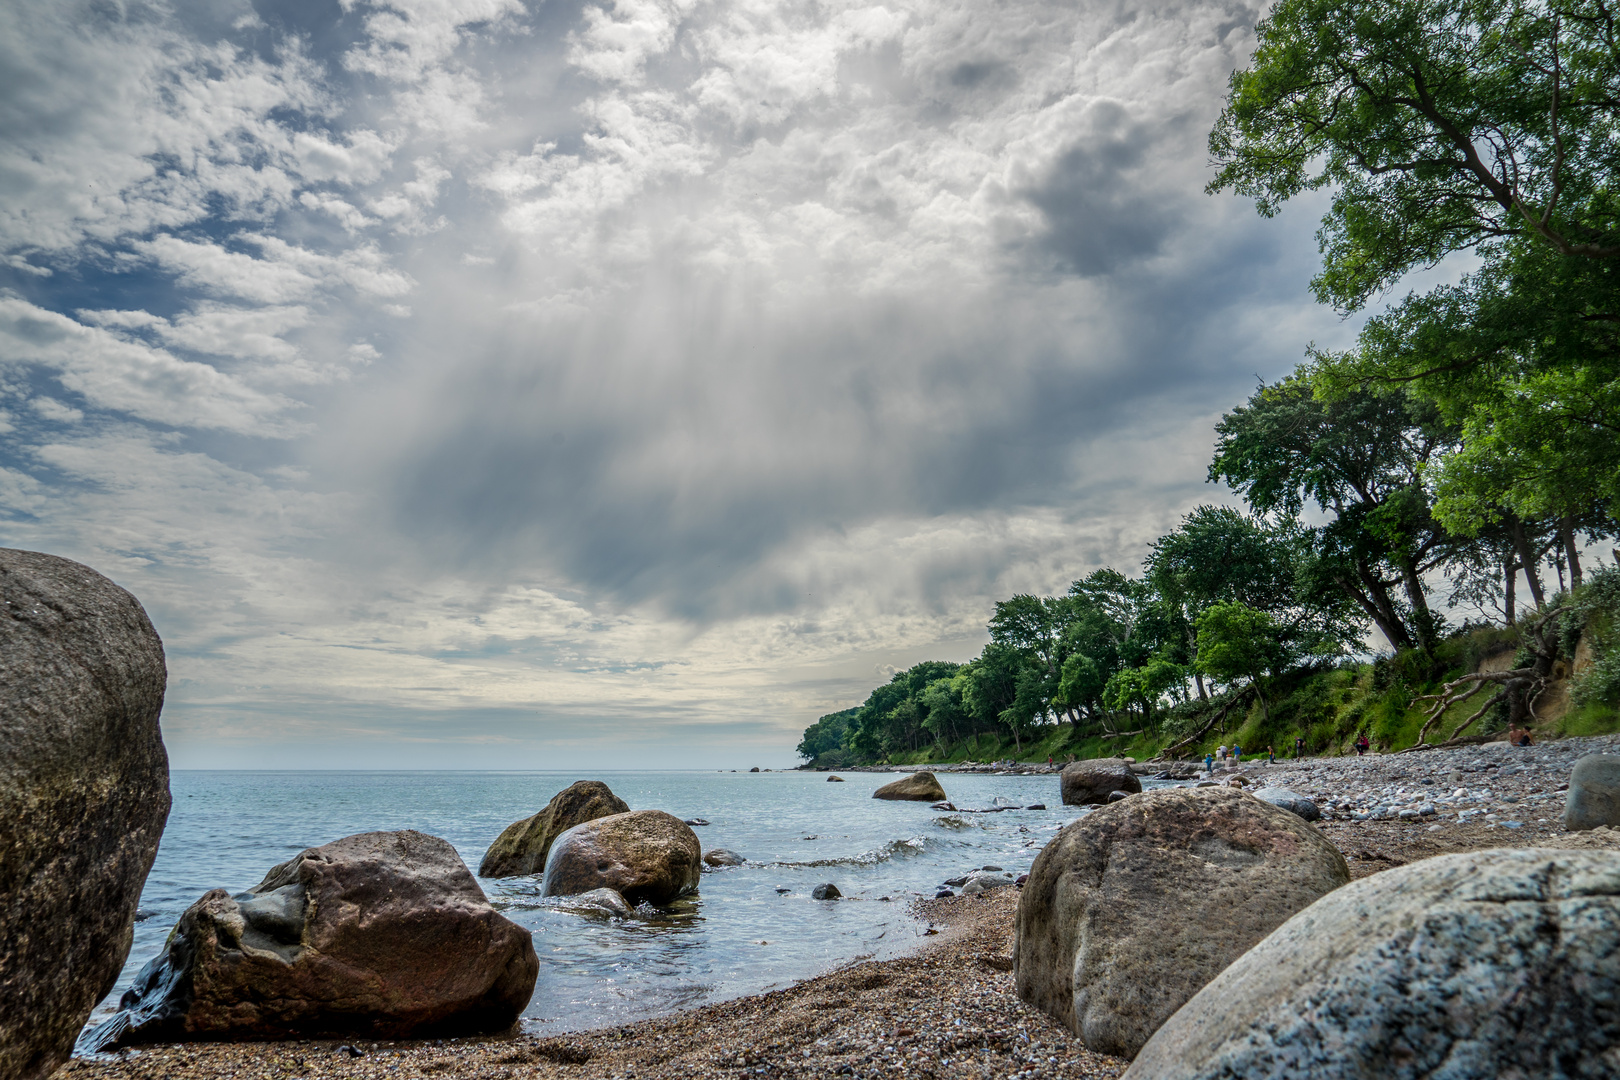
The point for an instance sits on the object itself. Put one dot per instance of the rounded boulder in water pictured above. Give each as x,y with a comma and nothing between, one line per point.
1089,783
382,934
918,787
1490,963
723,857
523,846
84,794
826,891
645,855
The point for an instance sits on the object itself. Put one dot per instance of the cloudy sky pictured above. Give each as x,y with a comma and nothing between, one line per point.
548,383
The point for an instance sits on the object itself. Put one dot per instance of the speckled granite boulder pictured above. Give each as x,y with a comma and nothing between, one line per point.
645,855
381,935
1130,910
1500,963
84,794
1294,803
523,845
1089,783
918,787
1594,793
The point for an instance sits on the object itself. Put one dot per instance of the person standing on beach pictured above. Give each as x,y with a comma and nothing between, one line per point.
1209,764
1220,755
1299,746
1271,755
1237,755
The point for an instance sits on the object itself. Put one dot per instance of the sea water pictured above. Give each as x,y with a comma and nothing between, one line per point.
741,934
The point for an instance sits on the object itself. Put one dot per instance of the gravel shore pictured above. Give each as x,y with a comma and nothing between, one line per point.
950,1010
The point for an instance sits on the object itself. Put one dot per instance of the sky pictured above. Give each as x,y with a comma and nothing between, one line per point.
556,384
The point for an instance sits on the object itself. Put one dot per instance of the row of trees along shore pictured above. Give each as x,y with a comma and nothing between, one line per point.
1466,446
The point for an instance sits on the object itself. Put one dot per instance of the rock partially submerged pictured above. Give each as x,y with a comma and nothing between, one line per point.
835,779
825,891
383,935
1594,793
1089,783
644,855
1131,909
1489,963
723,857
523,846
600,902
917,787
84,793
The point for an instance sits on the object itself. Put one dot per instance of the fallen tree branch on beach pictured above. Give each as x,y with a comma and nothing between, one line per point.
1524,682
1201,732
1453,743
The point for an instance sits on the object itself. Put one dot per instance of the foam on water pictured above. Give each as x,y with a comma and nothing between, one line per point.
739,935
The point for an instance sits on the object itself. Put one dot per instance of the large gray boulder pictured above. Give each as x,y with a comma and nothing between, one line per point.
1502,963
1594,793
523,845
84,793
918,787
381,935
1089,783
1130,910
645,855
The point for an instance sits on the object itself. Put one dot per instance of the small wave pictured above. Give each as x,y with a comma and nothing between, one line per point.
893,849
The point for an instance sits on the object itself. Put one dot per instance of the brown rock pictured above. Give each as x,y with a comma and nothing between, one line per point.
1089,783
383,935
523,845
1130,910
646,855
918,787
84,793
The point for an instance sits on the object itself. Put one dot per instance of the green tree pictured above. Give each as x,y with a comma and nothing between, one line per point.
1439,126
1360,459
1443,126
1237,642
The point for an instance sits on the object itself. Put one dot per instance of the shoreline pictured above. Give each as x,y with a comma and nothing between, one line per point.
948,1008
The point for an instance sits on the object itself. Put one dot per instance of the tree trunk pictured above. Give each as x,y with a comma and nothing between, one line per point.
1527,562
1373,599
1192,659
1422,618
1566,530
1510,569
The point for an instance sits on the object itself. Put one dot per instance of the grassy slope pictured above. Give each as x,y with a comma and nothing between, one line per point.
1330,708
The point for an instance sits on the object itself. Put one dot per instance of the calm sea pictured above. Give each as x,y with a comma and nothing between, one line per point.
739,935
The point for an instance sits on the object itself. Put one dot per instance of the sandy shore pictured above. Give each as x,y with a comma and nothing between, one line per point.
950,1010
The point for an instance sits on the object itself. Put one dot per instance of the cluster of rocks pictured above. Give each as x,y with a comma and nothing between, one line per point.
1493,784
1207,931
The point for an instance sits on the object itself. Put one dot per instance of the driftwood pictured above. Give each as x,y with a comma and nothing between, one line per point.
1450,744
